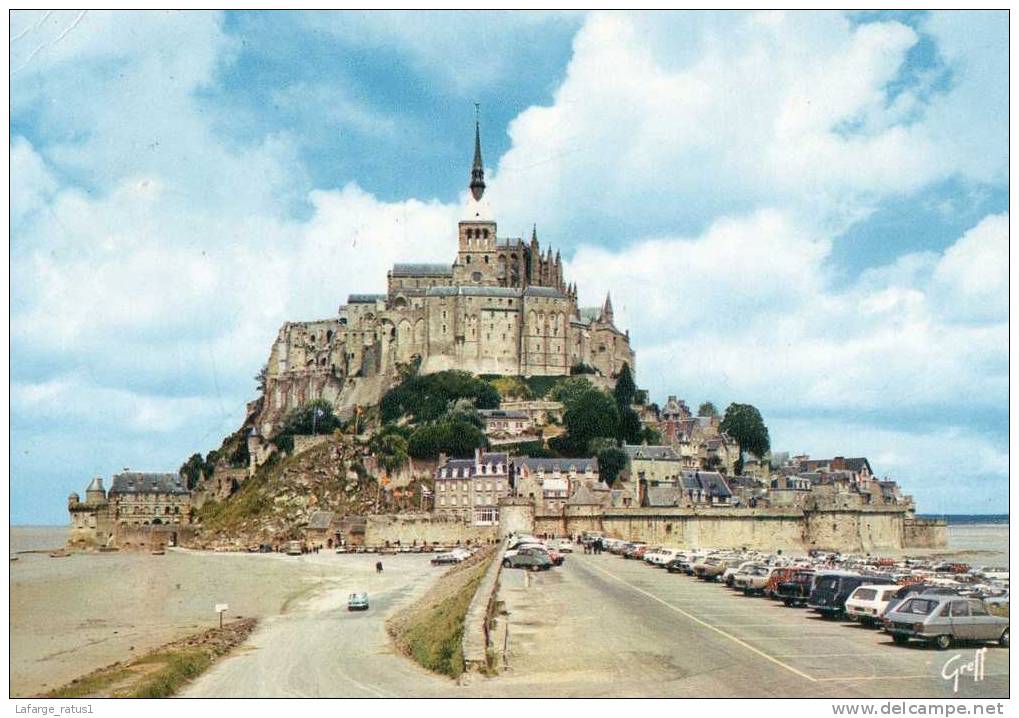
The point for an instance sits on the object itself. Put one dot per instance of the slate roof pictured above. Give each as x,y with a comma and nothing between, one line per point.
552,465
135,482
710,482
501,414
321,520
584,496
490,458
533,291
659,453
472,292
364,298
422,269
662,496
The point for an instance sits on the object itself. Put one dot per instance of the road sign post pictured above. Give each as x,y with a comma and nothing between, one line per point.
221,608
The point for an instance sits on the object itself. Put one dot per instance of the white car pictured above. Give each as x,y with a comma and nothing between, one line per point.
994,573
661,556
868,602
729,574
561,545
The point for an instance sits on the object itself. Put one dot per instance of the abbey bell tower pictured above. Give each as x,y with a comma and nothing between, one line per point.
476,259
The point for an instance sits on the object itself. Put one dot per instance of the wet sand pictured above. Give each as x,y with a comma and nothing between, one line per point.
72,615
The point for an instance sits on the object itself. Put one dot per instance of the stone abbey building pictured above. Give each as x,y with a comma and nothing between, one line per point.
503,306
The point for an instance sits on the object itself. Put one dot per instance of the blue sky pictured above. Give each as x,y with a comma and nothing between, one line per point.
806,211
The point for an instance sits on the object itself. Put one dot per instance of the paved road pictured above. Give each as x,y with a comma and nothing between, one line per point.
318,649
604,626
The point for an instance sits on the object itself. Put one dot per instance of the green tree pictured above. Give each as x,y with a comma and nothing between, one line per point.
391,450
625,389
427,397
191,470
744,424
315,417
456,438
707,409
590,415
569,390
260,378
463,410
611,461
630,429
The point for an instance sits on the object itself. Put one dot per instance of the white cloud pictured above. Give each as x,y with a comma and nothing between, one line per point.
747,312
972,277
787,110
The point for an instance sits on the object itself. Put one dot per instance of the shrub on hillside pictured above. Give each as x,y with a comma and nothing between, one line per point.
455,438
428,397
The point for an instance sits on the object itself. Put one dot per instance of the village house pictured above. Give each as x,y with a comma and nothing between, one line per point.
699,440
470,489
137,498
500,423
322,530
550,482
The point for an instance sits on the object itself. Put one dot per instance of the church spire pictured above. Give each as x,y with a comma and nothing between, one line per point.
606,310
478,168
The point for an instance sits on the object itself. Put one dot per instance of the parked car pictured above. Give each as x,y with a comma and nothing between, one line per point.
729,574
446,559
636,550
661,556
915,589
754,579
777,577
562,545
831,589
940,620
295,548
711,568
532,559
867,603
796,590
357,602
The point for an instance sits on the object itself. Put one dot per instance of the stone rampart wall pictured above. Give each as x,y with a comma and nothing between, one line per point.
862,529
411,529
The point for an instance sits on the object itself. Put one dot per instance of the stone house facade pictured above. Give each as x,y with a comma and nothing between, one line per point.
470,489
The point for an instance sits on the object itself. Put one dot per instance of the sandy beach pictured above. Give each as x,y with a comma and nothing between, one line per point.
72,615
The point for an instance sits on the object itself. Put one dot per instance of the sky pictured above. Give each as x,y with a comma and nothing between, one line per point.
802,211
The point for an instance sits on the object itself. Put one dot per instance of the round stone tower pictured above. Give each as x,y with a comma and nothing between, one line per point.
95,493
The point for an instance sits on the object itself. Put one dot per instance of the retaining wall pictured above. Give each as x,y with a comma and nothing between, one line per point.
476,640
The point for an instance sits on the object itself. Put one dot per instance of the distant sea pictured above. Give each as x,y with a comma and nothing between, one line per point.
969,519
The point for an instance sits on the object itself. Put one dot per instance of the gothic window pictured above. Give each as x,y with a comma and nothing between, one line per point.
476,276
486,259
468,259
486,234
329,335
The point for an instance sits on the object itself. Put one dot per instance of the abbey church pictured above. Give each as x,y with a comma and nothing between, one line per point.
502,307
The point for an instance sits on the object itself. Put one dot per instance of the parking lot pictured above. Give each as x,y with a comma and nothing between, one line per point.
603,625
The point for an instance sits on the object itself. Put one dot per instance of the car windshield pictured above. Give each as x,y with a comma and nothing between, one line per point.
826,583
865,594
918,606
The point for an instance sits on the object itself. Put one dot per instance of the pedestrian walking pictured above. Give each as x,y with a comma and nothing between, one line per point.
378,567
